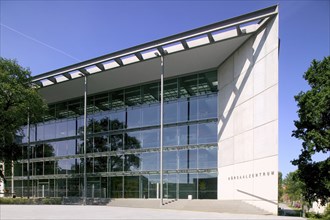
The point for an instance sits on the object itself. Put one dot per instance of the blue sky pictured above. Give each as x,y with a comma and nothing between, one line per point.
46,35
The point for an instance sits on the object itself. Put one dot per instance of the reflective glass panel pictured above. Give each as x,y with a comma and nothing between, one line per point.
187,159
32,133
132,162
170,136
72,166
100,164
116,141
170,112
23,134
60,148
193,108
101,123
90,124
150,115
40,132
192,134
150,138
101,143
207,133
72,127
170,160
89,145
49,149
71,147
133,140
150,161
62,166
61,129
49,130
207,158
134,119
116,163
183,135
207,107
80,146
117,120
183,112
80,126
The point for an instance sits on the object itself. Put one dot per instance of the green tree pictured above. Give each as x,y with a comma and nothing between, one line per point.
293,186
18,98
313,128
280,186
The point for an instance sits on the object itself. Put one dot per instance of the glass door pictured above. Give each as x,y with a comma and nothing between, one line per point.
43,188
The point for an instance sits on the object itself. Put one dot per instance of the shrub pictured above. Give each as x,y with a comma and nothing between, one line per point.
32,201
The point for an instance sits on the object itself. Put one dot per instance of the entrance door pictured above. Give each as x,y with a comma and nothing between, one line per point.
43,189
94,188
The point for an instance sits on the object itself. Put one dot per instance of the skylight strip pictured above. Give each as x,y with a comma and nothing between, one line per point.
199,41
110,64
92,69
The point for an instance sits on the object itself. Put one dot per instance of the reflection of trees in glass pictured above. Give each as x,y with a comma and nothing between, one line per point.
101,125
49,165
118,162
40,151
48,150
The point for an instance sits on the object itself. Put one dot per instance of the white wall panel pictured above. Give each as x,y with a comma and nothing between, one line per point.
248,122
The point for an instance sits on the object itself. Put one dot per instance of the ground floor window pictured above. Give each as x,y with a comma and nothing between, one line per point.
175,186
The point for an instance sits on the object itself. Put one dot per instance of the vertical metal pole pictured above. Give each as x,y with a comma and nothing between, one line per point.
12,178
28,155
161,127
85,139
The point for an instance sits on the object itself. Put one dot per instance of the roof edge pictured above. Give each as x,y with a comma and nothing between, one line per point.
163,41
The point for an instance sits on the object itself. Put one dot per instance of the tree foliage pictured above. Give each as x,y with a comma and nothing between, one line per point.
293,186
18,98
280,186
313,128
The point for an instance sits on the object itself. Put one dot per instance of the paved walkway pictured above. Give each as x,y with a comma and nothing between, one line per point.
61,212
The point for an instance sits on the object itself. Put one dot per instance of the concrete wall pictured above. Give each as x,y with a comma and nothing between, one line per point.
248,122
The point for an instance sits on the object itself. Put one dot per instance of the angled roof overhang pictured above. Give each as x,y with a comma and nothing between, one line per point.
192,51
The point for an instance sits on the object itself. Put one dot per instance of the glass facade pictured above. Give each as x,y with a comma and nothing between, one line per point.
123,137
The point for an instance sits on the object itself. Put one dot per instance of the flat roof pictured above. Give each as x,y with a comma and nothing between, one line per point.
191,51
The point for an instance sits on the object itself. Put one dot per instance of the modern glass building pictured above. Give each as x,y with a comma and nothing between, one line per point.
123,143
219,120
